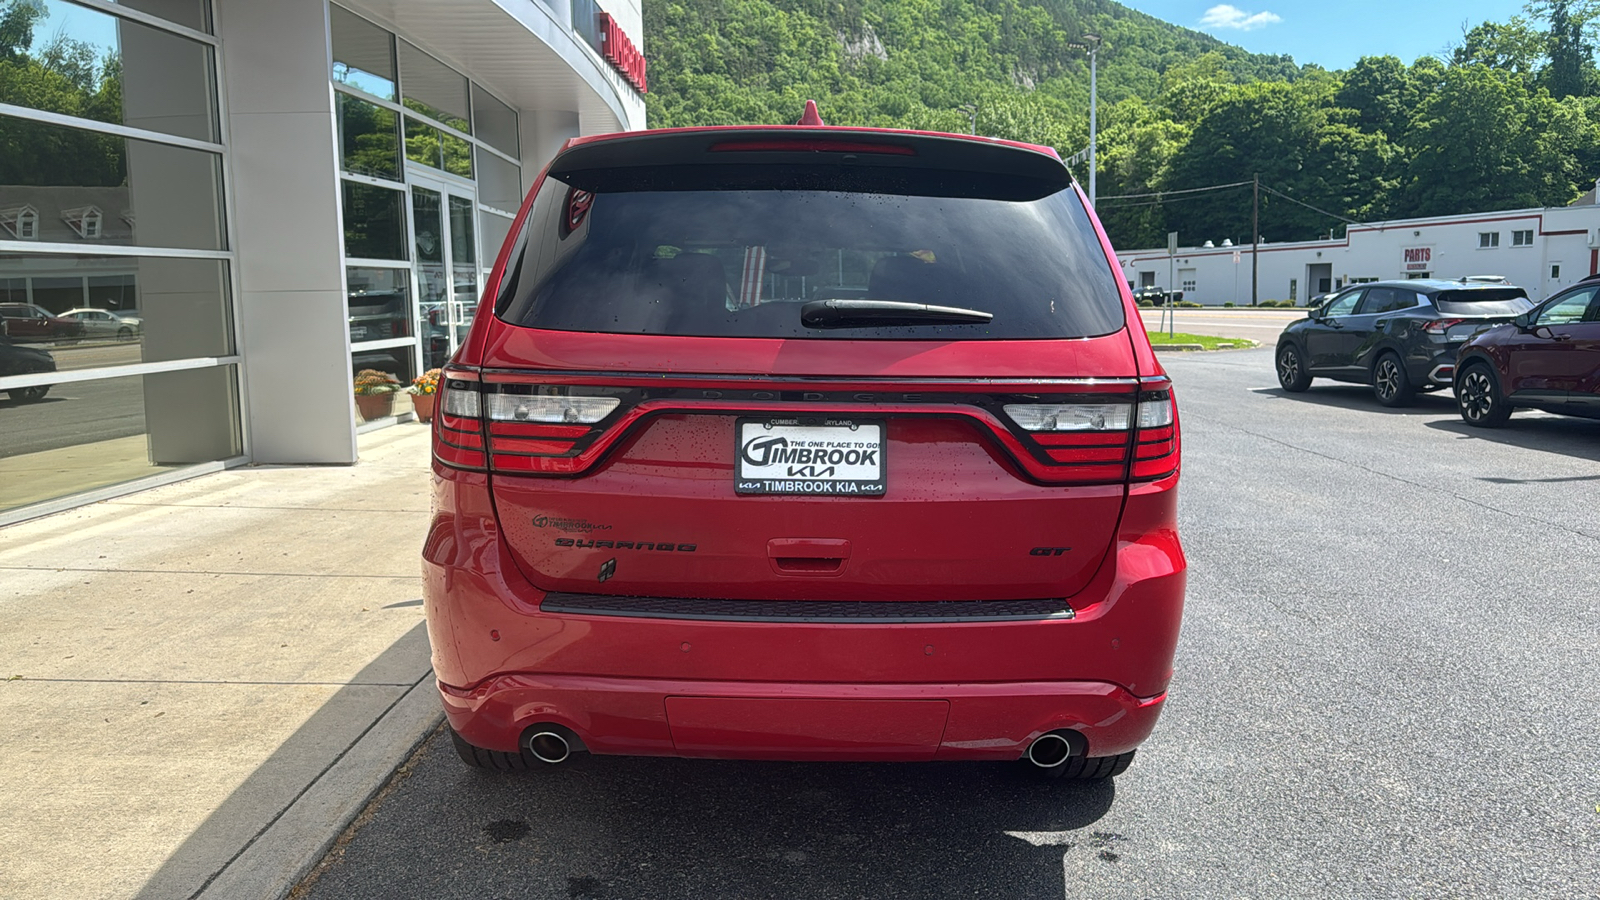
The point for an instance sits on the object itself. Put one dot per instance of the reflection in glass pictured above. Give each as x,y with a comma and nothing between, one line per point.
494,229
494,122
433,88
374,222
62,439
499,182
433,278
363,54
63,58
379,302
79,186
171,308
193,13
369,138
457,154
437,148
393,365
464,271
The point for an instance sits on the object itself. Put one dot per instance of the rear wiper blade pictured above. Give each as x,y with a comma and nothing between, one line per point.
841,313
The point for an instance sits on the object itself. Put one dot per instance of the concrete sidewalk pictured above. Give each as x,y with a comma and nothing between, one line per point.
203,683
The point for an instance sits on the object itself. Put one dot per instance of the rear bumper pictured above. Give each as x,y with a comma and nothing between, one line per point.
805,690
804,721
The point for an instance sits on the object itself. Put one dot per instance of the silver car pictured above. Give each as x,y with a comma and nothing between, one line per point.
104,323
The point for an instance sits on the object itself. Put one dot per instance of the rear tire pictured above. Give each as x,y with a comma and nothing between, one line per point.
1390,383
1292,372
29,394
1478,398
1088,768
499,760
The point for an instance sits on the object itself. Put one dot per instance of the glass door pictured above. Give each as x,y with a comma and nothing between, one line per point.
446,262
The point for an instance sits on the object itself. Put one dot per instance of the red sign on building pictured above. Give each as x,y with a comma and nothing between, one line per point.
621,53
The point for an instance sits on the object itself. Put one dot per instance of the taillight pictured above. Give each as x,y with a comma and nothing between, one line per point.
458,429
520,428
1155,453
1441,326
1094,441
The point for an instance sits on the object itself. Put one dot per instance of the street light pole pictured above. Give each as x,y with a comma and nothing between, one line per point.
1091,45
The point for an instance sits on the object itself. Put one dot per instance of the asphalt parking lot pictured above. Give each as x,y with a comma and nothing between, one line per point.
1387,685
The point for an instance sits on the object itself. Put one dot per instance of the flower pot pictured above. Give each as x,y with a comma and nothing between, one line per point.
422,405
375,406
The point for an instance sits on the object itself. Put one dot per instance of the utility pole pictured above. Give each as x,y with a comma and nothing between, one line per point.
1091,45
1255,237
971,109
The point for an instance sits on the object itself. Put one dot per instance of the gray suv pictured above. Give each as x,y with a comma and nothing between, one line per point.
1401,337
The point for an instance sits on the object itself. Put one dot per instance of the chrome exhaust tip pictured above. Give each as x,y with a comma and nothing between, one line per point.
1049,751
549,747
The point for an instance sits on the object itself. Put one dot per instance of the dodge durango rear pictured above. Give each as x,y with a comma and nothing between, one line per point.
805,443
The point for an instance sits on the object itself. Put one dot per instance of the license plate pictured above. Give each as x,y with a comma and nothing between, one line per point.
820,457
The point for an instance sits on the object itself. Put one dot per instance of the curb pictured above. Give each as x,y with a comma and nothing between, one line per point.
282,855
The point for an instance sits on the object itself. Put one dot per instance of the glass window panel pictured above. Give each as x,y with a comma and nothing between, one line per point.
379,302
99,188
463,250
112,430
494,229
422,143
374,222
363,54
464,271
457,154
377,367
162,309
433,88
76,61
494,122
499,182
369,138
193,13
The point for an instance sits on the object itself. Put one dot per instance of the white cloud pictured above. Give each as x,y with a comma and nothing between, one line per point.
1226,16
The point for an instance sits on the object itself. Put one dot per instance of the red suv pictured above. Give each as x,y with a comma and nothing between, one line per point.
1547,359
805,443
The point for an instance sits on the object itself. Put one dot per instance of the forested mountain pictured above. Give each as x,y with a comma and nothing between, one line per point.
1511,119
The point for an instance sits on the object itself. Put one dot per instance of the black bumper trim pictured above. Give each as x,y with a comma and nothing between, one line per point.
853,612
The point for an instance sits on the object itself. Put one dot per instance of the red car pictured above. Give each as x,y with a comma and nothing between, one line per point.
805,443
1548,359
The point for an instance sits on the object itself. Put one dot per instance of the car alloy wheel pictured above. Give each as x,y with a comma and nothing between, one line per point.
1388,379
1390,384
1291,374
1478,399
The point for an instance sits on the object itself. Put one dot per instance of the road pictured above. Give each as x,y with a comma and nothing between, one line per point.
74,413
1260,325
1387,686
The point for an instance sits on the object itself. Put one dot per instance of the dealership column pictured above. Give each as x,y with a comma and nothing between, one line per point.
299,404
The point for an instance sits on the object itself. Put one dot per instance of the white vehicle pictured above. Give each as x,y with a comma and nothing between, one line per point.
100,322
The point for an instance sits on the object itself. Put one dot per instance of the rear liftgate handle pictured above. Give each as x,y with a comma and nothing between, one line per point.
808,556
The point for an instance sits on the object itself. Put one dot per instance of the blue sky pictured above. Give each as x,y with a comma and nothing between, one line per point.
1333,33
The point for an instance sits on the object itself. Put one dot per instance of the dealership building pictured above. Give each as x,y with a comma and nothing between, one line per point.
269,198
1541,250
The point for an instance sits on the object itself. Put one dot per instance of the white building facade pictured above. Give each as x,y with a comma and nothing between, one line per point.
1540,250
284,194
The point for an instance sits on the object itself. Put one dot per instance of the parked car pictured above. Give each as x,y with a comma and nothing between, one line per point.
1547,358
1156,295
104,323
16,359
805,443
27,322
1401,337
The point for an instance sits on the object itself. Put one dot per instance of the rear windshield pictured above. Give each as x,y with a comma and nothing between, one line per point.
642,253
1484,302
